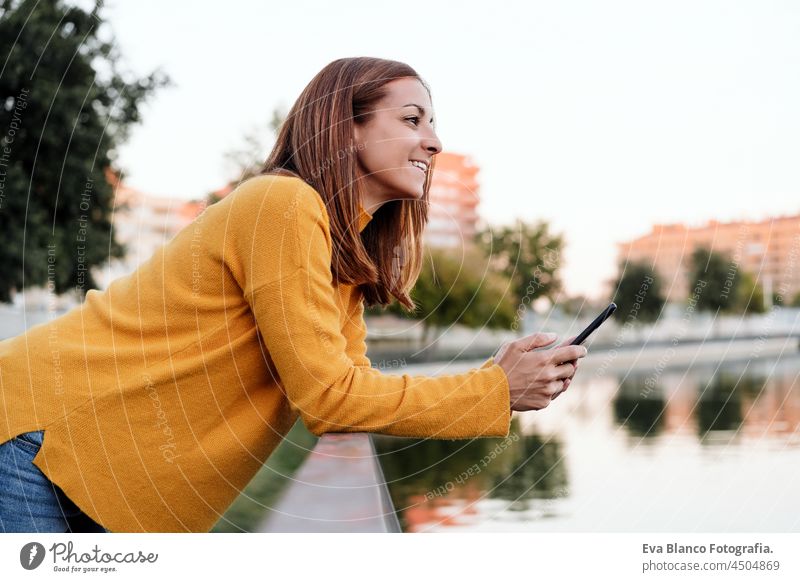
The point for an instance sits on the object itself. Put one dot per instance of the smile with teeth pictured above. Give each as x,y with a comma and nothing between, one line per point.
419,165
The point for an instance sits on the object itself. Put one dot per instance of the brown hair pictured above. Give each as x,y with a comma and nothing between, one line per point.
316,144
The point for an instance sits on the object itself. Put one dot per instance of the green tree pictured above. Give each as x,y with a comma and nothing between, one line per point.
714,281
638,292
749,295
452,289
529,255
66,110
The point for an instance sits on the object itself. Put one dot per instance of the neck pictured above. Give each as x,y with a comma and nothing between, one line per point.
371,199
370,205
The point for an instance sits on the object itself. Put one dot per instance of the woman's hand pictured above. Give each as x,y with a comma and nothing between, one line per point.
574,363
535,378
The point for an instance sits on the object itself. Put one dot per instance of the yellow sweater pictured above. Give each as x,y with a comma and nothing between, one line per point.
163,395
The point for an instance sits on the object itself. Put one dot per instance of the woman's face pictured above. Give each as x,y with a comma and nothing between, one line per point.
396,143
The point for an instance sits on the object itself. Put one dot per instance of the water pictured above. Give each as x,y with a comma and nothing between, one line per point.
713,448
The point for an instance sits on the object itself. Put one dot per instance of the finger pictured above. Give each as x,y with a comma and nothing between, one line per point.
568,353
563,371
536,340
564,389
554,388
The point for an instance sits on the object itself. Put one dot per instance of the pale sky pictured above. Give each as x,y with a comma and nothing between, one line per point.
601,117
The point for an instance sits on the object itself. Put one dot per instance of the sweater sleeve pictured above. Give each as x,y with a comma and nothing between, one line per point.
355,332
299,321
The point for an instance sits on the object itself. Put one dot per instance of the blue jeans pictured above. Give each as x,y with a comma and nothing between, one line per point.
29,501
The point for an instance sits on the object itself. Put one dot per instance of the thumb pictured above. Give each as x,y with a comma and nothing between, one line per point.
536,340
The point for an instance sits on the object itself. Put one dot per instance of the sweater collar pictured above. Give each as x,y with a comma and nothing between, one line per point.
363,218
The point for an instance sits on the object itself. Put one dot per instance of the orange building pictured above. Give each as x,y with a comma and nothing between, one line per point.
453,202
769,250
143,223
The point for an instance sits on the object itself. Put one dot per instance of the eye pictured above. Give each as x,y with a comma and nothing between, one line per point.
414,117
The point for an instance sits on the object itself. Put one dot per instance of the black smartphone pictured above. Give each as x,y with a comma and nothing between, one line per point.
594,325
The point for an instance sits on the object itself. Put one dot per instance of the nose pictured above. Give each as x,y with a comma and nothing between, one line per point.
431,143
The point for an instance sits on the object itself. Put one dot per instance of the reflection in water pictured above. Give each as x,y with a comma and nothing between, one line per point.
425,476
703,449
719,402
640,406
537,473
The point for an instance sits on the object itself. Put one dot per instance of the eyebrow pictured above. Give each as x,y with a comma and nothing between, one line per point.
419,107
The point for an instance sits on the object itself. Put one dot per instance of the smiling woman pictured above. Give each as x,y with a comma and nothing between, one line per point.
181,378
362,132
399,143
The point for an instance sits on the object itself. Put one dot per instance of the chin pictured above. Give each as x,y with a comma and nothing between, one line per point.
408,192
414,184
417,190
405,188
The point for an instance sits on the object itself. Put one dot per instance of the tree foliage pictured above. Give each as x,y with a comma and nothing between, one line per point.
66,110
749,295
638,292
717,283
457,288
528,254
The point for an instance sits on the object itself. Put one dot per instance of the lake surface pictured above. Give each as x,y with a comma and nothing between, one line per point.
711,448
